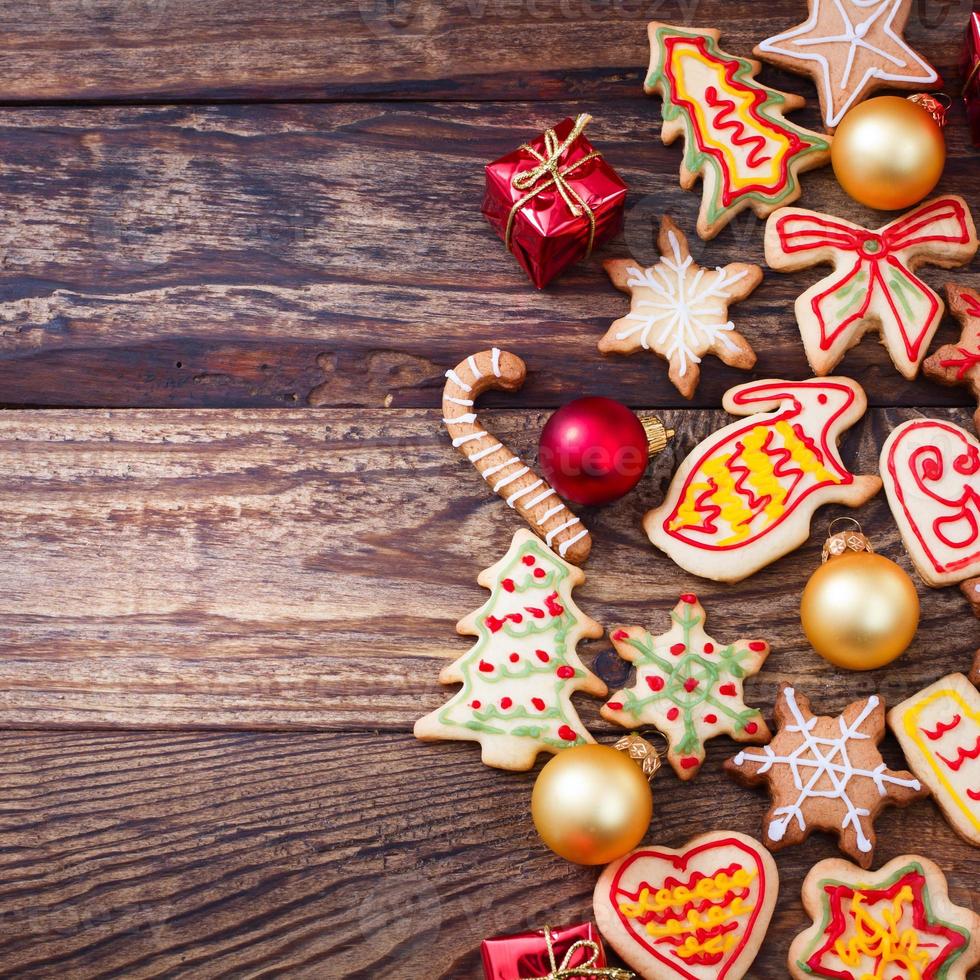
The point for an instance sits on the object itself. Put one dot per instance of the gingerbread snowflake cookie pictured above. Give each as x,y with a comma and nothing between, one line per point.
850,48
959,363
825,774
519,676
873,285
896,922
737,138
688,686
679,310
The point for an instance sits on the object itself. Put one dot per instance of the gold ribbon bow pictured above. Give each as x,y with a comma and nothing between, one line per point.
585,969
552,174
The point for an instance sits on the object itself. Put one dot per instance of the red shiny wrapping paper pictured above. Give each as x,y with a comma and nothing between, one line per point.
971,76
526,954
546,237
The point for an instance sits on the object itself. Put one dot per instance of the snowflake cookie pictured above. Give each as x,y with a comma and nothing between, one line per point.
688,686
896,922
826,774
679,310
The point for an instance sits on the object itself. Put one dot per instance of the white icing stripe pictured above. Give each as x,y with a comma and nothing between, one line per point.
476,457
496,469
550,536
507,480
565,545
453,376
544,495
469,437
514,497
550,513
458,401
495,361
468,418
474,370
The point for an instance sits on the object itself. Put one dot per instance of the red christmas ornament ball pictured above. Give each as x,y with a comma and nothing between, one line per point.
593,450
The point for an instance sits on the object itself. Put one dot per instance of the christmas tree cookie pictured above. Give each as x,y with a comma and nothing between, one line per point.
896,922
688,686
959,363
519,676
737,138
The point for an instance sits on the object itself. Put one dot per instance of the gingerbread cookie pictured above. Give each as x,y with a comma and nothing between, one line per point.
696,913
931,471
533,498
825,774
737,139
519,676
745,495
688,686
896,922
680,310
975,673
873,285
850,48
959,364
971,589
939,730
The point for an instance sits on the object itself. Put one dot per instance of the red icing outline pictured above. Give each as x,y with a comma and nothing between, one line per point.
680,862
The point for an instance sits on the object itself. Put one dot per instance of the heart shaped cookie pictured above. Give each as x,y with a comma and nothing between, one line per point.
698,913
931,472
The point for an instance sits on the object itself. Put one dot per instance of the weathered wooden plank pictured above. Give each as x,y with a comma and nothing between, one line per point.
280,255
135,50
326,856
304,569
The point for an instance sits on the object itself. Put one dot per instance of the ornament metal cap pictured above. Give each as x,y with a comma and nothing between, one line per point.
658,435
642,752
840,542
936,105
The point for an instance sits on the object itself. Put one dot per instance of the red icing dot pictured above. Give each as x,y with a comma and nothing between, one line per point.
615,705
751,727
690,684
539,573
505,703
514,658
728,690
565,672
538,703
485,667
672,714
567,734
508,584
655,683
758,646
689,762
553,605
709,648
689,597
494,624
542,656
535,612
528,560
621,635
710,719
476,705
822,398
677,649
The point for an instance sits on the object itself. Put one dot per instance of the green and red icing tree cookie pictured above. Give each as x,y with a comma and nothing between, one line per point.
688,686
519,676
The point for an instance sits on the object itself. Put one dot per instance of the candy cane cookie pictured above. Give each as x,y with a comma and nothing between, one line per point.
522,489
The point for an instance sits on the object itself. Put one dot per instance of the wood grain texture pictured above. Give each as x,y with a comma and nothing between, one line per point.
304,569
327,856
135,50
335,255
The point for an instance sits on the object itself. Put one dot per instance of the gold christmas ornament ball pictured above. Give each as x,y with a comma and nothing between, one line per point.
859,610
591,804
888,153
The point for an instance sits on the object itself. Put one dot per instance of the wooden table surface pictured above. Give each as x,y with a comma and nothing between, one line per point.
239,244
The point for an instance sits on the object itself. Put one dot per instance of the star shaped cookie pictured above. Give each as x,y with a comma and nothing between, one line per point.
850,48
679,310
825,774
959,364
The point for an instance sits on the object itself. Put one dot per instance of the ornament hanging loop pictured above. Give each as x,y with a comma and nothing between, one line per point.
642,752
840,542
658,435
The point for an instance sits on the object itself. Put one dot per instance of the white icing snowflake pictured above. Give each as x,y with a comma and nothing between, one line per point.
825,757
677,316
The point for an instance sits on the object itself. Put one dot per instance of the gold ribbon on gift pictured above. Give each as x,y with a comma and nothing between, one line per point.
551,174
566,971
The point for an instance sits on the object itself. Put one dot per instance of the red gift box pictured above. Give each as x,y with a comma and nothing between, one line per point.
971,76
539,954
554,200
